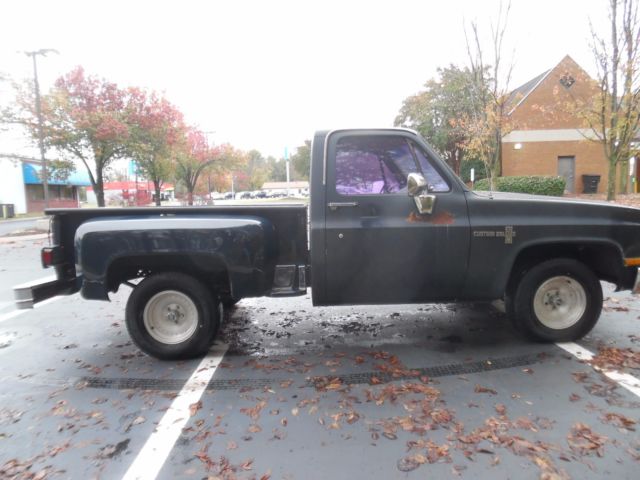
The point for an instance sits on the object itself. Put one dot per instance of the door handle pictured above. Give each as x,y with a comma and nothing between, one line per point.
337,205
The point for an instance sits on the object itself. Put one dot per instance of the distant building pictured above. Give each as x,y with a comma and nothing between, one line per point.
294,187
548,139
130,193
21,185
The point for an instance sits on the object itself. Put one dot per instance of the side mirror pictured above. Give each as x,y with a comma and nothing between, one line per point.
417,188
416,183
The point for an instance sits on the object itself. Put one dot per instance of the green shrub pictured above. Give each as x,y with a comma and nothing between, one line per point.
536,185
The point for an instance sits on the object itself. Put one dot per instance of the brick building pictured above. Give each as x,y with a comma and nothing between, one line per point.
21,185
547,138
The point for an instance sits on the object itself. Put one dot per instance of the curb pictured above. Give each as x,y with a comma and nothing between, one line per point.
21,219
20,238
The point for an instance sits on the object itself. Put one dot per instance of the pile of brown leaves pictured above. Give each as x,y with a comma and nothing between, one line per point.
392,392
432,453
223,469
619,421
584,441
612,358
22,469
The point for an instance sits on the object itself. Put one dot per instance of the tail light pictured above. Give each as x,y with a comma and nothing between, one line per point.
51,256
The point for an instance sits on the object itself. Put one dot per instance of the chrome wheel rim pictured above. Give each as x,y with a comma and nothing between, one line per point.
560,302
170,317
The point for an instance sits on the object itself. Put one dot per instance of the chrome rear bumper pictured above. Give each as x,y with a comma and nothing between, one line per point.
28,294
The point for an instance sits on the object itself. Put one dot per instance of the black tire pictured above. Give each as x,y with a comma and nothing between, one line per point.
569,299
204,320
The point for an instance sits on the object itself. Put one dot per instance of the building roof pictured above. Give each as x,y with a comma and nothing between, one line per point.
517,95
31,175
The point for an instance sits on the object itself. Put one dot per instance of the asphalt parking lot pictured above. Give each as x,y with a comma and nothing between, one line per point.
297,392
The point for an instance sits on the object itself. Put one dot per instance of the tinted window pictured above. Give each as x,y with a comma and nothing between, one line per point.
434,179
368,165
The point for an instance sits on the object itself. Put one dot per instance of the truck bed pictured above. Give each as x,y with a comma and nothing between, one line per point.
289,221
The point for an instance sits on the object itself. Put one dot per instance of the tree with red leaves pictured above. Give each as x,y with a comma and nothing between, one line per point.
86,118
157,132
195,156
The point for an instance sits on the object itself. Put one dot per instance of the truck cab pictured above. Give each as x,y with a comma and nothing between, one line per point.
374,244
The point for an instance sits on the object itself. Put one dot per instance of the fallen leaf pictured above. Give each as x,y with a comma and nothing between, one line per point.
619,420
481,389
584,441
254,428
408,464
254,412
352,417
579,376
138,420
194,407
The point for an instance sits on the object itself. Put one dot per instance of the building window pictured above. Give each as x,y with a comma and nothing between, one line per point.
567,81
35,193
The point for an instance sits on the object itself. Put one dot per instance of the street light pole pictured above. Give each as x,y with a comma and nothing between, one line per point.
43,159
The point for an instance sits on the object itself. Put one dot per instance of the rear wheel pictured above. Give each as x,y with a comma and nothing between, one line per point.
172,316
558,300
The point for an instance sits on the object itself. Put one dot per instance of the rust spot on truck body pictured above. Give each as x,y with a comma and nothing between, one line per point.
440,218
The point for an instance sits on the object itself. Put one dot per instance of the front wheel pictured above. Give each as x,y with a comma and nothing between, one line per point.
172,316
557,301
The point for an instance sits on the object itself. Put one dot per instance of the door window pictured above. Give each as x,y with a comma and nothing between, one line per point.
435,181
369,165
377,165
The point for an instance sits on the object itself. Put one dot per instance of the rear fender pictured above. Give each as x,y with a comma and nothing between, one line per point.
244,247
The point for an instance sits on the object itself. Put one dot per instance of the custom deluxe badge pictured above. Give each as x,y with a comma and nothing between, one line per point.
508,234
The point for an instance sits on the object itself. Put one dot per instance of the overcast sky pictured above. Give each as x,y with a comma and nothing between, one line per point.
267,74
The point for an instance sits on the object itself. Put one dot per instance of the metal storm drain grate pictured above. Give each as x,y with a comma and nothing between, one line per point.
440,370
347,379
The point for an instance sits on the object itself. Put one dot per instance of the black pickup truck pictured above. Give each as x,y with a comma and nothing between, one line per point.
388,222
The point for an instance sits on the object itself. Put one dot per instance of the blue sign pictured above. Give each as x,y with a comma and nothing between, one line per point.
31,175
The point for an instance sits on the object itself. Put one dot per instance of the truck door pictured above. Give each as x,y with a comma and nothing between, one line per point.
378,248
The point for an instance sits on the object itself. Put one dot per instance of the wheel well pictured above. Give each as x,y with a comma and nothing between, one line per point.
604,260
211,271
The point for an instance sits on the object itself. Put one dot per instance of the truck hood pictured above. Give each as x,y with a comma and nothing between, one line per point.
559,206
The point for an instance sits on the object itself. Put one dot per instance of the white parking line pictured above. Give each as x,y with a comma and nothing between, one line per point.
155,451
16,313
625,380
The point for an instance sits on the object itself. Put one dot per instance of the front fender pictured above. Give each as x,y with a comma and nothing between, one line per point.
244,247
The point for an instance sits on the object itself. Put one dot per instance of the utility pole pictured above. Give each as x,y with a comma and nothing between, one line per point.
43,159
286,159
